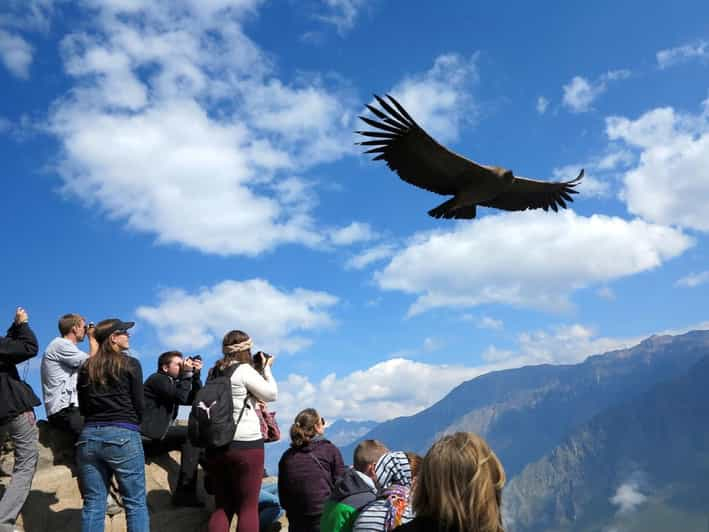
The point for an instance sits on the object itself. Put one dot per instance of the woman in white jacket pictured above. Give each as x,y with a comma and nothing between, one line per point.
236,470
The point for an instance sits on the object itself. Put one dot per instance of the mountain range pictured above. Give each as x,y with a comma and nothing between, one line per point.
567,434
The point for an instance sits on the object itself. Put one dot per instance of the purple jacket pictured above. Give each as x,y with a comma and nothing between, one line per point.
304,484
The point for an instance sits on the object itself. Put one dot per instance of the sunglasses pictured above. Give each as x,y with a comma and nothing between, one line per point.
121,332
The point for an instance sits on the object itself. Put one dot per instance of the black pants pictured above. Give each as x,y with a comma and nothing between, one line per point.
176,439
68,419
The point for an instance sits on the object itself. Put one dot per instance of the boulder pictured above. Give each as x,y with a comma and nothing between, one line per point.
55,503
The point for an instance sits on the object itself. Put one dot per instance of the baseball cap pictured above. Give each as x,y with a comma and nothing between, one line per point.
106,328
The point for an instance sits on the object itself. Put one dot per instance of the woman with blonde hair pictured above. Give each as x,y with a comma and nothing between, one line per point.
459,487
307,472
236,469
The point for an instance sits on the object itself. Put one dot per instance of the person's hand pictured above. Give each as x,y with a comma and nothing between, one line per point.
188,365
269,360
197,365
91,330
21,316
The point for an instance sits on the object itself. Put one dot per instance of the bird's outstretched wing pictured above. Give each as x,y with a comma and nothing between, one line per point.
414,154
526,194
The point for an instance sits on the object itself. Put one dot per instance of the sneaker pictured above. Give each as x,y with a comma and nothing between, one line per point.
112,506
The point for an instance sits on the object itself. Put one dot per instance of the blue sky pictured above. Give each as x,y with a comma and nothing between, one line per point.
190,165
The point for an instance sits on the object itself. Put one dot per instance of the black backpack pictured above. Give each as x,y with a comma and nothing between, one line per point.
211,422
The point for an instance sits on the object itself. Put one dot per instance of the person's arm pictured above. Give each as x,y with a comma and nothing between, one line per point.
263,388
71,356
337,467
167,390
82,390
20,344
283,495
136,388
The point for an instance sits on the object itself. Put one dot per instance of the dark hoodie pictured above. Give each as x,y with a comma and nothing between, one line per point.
306,476
350,495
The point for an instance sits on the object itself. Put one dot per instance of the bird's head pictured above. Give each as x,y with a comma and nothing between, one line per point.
508,176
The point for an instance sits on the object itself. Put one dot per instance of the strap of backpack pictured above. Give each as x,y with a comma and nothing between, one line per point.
228,372
322,468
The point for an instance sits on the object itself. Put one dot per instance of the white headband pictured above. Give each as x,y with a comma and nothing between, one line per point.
236,348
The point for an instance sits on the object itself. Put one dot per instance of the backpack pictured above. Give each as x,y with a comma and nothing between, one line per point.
211,421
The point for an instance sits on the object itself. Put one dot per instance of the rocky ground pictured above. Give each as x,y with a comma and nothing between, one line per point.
55,503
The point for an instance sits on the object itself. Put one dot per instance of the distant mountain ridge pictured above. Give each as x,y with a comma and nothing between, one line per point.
525,412
660,437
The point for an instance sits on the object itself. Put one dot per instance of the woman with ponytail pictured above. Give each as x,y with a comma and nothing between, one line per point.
236,470
307,472
110,389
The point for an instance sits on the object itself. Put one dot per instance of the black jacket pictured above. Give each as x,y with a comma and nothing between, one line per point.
163,397
121,402
16,396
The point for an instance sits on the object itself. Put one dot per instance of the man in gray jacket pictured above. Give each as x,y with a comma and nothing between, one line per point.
60,367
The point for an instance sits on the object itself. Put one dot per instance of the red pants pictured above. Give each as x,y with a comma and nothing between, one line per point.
236,475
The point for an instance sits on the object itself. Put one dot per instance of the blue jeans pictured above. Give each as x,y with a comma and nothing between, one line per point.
101,452
269,508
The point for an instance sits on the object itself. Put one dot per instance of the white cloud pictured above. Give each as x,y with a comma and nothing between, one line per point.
601,172
486,322
567,344
178,125
669,183
440,100
18,16
698,50
274,318
16,54
355,232
27,15
580,93
693,280
542,104
342,14
400,387
628,497
5,124
392,388
369,256
539,259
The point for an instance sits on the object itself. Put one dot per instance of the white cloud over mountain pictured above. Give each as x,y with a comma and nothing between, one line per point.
400,386
530,259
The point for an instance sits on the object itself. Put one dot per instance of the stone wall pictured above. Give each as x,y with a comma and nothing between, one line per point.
54,504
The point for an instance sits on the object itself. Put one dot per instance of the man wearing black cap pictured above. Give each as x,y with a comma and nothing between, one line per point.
17,401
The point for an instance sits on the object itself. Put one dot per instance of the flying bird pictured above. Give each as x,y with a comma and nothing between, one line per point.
420,160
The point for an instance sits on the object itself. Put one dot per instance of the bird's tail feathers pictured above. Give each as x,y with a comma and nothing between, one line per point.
449,210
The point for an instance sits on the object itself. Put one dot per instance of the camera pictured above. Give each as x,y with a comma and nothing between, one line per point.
260,359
